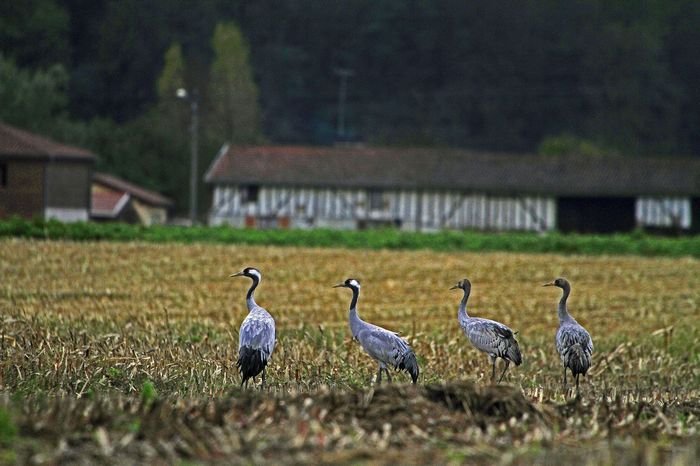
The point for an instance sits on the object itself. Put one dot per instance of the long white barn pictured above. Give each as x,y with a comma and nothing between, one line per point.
429,190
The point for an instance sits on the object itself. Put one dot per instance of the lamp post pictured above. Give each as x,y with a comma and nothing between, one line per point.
193,99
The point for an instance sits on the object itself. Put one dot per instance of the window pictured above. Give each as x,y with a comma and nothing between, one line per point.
249,193
375,199
3,175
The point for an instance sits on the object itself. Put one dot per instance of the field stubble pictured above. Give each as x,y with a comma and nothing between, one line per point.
127,351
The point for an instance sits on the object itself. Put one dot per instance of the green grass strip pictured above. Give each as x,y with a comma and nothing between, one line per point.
635,243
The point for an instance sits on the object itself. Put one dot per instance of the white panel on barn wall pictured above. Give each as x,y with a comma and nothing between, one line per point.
261,203
394,207
531,213
326,212
663,212
433,209
551,214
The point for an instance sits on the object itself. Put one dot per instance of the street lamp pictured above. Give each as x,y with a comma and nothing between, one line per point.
193,99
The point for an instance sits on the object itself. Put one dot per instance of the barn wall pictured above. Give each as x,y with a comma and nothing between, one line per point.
23,193
68,191
410,210
667,212
596,215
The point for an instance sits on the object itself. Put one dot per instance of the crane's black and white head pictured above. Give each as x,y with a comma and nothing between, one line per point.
463,284
250,272
560,282
351,283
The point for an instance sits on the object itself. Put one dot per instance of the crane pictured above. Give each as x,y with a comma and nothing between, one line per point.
491,337
573,342
384,346
256,338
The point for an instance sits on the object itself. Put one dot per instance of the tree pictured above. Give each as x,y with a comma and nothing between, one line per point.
32,100
234,112
172,77
35,33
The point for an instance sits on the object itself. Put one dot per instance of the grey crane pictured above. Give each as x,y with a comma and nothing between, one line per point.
256,339
489,336
573,342
385,347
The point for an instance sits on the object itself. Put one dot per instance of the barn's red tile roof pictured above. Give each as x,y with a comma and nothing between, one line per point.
124,187
15,142
450,169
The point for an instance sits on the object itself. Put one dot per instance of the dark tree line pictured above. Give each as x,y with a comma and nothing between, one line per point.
621,75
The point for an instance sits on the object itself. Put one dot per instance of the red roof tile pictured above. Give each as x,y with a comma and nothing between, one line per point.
117,184
107,203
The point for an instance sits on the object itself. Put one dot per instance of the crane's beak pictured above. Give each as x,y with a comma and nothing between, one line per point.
338,285
237,274
455,287
549,284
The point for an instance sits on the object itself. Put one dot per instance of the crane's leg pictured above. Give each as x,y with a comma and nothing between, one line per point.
564,376
493,371
504,370
577,376
379,375
388,375
262,387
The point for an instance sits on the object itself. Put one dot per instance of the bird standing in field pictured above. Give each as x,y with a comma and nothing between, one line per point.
573,342
256,338
385,347
489,336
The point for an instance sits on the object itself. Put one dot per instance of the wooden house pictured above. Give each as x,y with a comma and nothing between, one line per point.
433,189
41,178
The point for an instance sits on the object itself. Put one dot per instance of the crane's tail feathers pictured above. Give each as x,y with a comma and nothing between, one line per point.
513,353
251,362
578,359
409,363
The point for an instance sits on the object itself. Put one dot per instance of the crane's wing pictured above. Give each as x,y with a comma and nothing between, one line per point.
569,335
383,345
258,332
488,335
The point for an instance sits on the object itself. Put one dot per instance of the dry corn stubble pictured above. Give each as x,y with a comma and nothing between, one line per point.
86,325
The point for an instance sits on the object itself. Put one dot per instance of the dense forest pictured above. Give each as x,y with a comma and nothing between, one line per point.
594,76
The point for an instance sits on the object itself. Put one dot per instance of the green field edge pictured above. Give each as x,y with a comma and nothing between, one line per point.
636,243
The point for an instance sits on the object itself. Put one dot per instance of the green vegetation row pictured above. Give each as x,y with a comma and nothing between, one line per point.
625,244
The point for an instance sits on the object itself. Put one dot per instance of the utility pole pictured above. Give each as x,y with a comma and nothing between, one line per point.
193,99
344,74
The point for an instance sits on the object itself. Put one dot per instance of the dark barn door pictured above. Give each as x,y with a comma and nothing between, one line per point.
595,214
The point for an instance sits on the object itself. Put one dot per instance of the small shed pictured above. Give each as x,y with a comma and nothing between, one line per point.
42,178
115,199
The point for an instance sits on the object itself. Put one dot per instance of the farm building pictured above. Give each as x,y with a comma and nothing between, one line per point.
432,189
41,178
114,199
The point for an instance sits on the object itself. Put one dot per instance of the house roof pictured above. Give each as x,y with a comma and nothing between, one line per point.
124,187
108,203
15,142
443,169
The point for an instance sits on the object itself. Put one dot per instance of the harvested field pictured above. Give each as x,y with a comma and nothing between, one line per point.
120,352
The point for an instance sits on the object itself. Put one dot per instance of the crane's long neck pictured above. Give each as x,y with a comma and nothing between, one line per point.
563,311
462,315
354,318
249,299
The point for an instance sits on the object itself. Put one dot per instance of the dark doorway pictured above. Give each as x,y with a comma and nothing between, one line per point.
595,214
